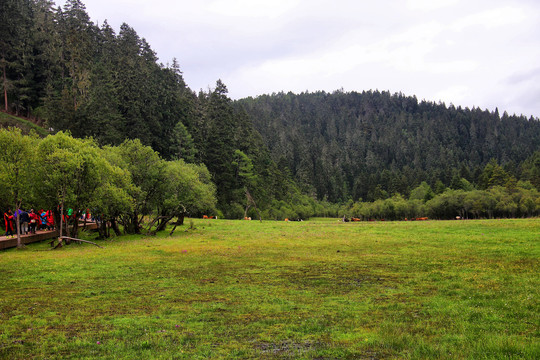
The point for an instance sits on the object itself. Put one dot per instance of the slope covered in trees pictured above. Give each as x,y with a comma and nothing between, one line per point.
291,155
60,67
70,74
372,145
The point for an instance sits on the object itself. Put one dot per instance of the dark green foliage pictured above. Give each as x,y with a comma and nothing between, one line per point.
63,69
126,183
236,156
371,145
496,202
294,154
531,169
16,58
87,80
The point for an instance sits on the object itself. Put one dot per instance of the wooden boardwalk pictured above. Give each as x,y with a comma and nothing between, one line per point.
7,242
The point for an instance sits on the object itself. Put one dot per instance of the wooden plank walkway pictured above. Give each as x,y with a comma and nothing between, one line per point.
7,242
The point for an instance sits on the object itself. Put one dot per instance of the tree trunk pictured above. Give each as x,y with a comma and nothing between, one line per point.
80,240
134,225
18,226
61,217
102,228
164,223
114,225
252,201
180,220
131,224
75,227
5,84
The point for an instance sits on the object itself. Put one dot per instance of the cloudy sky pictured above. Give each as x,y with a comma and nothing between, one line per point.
483,53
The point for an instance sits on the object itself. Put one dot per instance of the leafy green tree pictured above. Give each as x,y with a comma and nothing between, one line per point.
147,171
188,190
219,144
529,204
531,169
505,205
181,144
112,199
15,56
17,156
72,174
493,175
439,187
401,207
78,33
100,115
422,192
246,178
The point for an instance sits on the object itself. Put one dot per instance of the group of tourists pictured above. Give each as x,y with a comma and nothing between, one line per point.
29,221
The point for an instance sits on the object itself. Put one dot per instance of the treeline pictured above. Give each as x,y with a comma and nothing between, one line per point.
276,156
521,200
70,74
125,185
130,187
369,146
64,71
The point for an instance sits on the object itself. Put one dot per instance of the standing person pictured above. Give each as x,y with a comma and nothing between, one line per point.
50,220
43,217
68,215
34,221
16,219
24,220
8,219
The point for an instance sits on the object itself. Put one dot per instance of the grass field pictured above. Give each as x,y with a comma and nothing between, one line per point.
7,120
300,290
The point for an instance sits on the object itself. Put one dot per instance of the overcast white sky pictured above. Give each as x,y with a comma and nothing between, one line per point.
483,53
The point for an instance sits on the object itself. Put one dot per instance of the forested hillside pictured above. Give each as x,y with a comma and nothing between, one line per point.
69,74
371,145
290,155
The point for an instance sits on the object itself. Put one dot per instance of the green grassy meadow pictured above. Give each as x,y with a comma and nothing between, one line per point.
7,120
317,289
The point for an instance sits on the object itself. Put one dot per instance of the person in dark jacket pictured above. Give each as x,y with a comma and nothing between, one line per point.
24,219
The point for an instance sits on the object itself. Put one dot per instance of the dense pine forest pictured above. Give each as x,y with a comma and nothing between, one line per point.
275,156
66,73
373,144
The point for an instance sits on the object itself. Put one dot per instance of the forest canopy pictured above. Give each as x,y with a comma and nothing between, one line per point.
118,184
281,156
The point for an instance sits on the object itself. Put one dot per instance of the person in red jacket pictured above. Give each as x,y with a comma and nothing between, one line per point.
50,220
34,221
8,219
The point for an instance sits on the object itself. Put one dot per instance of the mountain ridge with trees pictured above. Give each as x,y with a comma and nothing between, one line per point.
292,155
371,145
